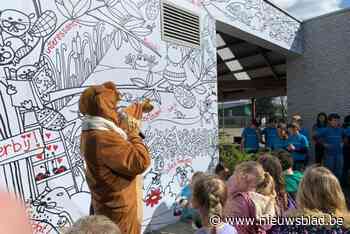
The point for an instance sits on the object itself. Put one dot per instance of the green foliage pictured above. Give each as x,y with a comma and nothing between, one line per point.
231,155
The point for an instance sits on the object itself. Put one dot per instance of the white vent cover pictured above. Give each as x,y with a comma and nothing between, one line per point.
180,26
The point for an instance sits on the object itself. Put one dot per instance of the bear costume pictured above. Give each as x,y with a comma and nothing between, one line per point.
115,155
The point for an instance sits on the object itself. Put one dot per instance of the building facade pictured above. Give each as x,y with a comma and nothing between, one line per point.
52,50
318,80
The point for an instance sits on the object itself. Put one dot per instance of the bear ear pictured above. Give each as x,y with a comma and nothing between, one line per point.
109,85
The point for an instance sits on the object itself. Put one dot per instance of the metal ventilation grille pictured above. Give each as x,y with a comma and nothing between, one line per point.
180,26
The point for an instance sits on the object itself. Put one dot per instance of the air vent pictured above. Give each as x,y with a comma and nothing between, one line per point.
180,26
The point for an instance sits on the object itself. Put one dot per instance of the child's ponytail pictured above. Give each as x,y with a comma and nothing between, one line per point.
266,186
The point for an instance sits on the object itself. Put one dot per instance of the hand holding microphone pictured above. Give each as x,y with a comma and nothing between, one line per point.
130,117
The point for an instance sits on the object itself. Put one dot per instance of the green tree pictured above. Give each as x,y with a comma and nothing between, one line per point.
265,106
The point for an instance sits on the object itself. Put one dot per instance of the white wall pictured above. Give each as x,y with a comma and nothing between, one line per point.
258,22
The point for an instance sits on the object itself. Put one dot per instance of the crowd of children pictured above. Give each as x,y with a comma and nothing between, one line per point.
269,187
330,138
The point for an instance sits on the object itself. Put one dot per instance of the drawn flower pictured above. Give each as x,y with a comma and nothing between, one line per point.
153,198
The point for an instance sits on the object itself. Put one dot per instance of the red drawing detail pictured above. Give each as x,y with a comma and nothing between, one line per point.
59,170
55,147
153,198
40,156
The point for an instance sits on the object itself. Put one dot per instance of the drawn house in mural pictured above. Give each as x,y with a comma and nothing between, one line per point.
164,50
40,120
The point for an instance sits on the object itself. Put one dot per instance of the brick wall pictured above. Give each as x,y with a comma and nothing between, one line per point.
319,80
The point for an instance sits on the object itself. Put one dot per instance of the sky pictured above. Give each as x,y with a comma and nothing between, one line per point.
305,9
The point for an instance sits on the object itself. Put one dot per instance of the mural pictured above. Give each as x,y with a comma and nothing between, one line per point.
50,51
259,18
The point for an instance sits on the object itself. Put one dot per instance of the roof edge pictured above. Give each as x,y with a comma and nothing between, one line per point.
340,11
284,11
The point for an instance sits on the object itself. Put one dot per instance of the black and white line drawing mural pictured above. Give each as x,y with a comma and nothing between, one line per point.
260,18
50,52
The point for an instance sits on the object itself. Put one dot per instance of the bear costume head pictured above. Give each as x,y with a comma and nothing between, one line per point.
100,100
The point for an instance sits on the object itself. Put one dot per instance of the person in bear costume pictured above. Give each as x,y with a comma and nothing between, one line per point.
115,155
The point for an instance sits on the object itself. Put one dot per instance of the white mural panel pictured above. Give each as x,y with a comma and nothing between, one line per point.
259,18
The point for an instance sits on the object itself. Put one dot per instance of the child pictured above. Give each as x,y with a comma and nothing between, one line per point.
209,197
222,171
187,213
270,133
280,141
320,197
346,150
332,138
291,178
93,224
303,131
251,138
251,193
273,166
298,146
321,123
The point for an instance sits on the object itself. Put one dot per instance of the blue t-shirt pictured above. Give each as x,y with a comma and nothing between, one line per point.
333,137
279,143
224,229
251,140
305,132
347,132
186,192
270,135
299,141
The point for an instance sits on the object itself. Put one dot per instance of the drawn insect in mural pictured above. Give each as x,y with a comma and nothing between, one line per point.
174,71
141,61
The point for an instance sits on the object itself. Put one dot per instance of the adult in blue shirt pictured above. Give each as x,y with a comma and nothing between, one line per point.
346,150
251,138
298,146
270,133
321,123
332,138
280,142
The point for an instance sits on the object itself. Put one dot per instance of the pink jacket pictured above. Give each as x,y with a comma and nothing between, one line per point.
249,205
